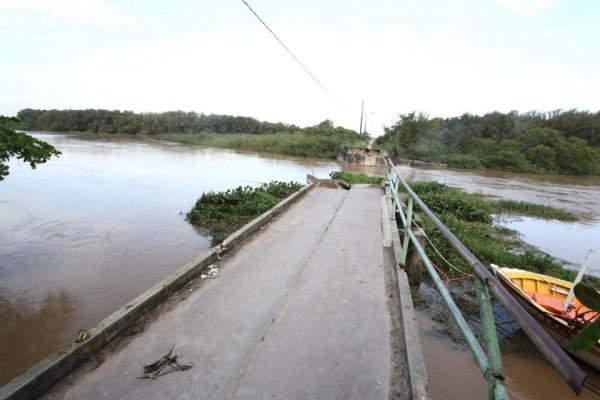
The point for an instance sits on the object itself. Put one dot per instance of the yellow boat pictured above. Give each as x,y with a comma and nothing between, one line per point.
543,297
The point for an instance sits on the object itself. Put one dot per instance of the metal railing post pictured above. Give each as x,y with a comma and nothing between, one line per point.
490,360
407,228
495,378
567,368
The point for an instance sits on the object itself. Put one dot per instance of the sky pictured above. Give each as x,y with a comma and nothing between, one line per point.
440,57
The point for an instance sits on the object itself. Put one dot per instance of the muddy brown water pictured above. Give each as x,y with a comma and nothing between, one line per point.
85,233
453,374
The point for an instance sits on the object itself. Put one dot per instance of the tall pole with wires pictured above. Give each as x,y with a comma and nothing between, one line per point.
362,108
364,134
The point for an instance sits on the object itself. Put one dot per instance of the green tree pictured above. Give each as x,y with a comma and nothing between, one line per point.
543,157
410,129
22,146
574,156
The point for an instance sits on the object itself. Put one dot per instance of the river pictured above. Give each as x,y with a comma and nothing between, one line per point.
88,231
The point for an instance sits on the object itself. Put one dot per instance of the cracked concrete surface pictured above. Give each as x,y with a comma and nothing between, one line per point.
299,312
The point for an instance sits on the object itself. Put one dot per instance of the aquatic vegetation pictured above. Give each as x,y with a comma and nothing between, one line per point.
535,210
443,199
221,213
469,217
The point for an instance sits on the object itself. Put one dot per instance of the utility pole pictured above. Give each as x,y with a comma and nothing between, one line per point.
362,107
364,134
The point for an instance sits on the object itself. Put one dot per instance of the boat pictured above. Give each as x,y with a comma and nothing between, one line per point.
543,297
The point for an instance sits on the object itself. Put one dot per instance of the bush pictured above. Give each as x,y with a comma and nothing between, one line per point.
507,159
573,156
468,216
442,199
543,157
221,213
462,161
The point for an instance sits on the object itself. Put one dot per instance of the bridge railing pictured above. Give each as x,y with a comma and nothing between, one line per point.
490,359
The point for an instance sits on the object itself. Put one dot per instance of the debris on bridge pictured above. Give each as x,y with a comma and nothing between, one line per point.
213,272
165,365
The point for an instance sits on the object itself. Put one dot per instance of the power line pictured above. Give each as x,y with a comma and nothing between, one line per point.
314,78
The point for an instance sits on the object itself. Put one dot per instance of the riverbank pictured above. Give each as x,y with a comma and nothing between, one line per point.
471,216
322,140
297,144
557,142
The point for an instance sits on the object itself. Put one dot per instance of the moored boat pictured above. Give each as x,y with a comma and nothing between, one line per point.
543,297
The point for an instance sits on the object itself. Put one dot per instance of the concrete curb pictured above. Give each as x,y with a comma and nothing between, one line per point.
417,373
42,376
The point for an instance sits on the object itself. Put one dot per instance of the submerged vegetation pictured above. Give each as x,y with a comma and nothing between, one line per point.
558,142
469,217
355,178
222,213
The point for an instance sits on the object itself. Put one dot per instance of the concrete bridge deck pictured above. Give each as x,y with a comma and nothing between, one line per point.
303,310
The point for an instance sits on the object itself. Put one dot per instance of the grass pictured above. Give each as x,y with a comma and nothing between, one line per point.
221,213
536,210
355,178
471,207
294,144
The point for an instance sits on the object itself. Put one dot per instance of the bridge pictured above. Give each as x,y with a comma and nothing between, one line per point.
308,301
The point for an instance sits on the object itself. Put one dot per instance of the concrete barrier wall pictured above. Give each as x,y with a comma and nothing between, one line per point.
42,376
365,157
408,330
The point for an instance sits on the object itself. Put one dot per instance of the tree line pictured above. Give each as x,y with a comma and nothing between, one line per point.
128,122
565,142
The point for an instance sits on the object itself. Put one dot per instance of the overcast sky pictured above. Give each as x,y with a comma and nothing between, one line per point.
441,57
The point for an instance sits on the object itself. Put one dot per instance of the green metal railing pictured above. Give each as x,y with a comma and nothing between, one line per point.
488,360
